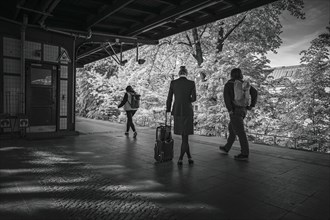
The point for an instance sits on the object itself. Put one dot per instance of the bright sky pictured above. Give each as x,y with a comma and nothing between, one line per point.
297,34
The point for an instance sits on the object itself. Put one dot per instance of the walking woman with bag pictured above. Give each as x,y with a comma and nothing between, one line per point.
184,92
130,111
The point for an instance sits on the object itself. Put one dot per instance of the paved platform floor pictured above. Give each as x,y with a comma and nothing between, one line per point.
102,174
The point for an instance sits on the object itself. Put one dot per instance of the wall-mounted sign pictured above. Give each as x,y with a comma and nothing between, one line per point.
4,123
64,57
23,122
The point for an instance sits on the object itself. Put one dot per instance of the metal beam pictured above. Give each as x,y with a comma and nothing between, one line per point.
43,8
99,42
107,26
128,18
63,24
178,12
221,14
101,48
184,20
169,2
69,8
232,3
100,55
209,11
20,3
34,11
143,9
98,37
23,37
104,36
171,25
90,52
50,9
107,12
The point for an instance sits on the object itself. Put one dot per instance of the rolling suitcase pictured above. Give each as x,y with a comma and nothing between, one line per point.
164,142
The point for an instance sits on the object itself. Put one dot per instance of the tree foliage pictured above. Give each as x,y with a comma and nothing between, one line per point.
312,95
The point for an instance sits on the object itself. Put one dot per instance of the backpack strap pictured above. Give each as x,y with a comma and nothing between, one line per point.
128,98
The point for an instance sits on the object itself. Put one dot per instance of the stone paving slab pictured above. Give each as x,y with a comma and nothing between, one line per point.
103,174
43,182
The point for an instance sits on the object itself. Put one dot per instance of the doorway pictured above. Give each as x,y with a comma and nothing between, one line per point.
41,97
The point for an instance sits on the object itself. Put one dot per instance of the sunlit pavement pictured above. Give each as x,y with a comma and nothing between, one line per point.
102,174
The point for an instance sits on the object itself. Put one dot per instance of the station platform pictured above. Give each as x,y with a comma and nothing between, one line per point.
102,174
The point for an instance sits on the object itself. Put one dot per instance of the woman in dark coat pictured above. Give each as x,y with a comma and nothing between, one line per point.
184,92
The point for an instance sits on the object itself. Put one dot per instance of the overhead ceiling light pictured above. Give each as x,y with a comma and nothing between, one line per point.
139,61
123,62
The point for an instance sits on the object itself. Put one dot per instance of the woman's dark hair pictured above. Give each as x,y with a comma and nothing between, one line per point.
236,73
129,89
183,70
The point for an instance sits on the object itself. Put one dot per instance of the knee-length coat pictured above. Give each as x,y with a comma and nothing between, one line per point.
184,92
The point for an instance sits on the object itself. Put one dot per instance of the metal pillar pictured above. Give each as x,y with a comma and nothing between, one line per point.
23,29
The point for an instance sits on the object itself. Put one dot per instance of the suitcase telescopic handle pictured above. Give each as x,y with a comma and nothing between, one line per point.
169,117
156,133
157,129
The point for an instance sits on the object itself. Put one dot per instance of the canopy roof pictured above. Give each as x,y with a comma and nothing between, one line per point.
290,72
120,22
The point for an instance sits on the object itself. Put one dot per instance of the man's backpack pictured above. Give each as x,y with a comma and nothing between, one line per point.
135,100
242,93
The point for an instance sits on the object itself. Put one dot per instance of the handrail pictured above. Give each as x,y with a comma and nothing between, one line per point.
295,139
281,136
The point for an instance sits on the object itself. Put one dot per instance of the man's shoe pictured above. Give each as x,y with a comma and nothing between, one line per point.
241,157
135,134
126,133
223,150
180,163
190,161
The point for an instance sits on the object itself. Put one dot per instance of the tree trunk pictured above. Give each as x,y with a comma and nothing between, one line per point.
220,40
198,48
222,37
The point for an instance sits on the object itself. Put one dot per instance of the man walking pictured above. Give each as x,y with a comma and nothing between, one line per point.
239,97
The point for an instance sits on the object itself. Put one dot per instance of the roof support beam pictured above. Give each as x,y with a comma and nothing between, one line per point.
169,2
50,9
232,3
21,3
107,12
71,9
106,26
217,16
34,11
145,10
96,44
128,18
43,8
89,52
171,25
180,11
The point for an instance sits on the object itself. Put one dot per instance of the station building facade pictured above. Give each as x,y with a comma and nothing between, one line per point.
37,81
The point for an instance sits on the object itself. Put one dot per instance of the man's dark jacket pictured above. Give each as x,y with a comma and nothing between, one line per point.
229,96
